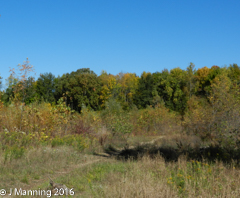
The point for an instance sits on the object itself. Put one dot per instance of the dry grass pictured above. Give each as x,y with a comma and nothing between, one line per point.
140,181
95,177
152,178
37,164
186,140
155,178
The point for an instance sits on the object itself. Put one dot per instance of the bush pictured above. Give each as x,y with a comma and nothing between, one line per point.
77,141
116,120
155,121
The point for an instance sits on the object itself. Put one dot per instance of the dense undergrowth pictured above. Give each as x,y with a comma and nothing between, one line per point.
204,132
25,126
157,150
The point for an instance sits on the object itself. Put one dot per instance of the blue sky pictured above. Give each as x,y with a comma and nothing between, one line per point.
61,36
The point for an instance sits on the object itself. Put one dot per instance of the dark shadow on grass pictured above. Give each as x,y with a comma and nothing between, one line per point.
170,154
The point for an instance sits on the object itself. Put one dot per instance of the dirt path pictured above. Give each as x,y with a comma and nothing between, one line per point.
66,171
93,159
90,159
33,184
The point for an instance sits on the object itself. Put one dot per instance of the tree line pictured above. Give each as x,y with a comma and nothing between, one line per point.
173,88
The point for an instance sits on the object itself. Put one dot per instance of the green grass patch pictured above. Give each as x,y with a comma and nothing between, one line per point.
88,180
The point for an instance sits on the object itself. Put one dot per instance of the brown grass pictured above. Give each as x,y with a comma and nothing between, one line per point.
154,178
145,177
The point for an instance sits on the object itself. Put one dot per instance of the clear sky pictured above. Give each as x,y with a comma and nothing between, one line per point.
61,36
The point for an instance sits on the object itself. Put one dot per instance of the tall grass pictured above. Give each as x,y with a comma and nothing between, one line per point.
154,178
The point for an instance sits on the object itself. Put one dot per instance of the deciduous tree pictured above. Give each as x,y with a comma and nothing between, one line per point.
78,88
144,93
45,86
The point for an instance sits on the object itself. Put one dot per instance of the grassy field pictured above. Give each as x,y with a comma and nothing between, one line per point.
95,176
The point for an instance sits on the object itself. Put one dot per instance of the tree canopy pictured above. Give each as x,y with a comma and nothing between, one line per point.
173,88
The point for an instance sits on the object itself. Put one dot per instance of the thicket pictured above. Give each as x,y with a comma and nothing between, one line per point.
81,108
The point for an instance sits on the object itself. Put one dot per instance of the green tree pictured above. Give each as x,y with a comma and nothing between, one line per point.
29,91
80,88
9,92
21,74
18,83
234,73
116,120
45,86
191,79
144,93
172,88
204,77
